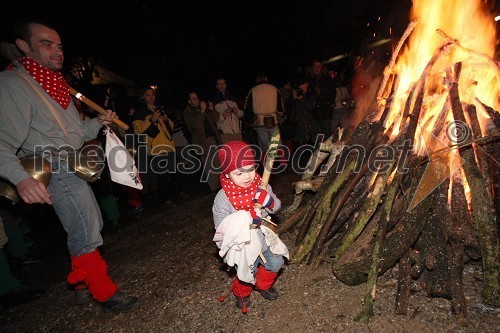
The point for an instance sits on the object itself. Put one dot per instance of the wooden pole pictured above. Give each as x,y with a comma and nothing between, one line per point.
96,107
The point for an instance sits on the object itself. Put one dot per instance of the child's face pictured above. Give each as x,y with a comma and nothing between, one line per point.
244,176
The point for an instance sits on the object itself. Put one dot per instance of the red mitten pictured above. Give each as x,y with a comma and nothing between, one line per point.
263,198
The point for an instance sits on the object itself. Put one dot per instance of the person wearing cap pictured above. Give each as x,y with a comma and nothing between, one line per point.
240,192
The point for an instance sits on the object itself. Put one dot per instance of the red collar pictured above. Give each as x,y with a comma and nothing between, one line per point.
52,82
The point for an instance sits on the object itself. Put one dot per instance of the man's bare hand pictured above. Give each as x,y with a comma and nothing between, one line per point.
33,191
106,119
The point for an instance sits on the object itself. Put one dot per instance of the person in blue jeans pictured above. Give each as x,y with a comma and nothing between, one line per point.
37,114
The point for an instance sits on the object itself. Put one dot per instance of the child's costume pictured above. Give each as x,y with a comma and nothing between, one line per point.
242,240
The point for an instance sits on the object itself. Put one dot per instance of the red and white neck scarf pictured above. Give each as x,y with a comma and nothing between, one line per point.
240,197
52,82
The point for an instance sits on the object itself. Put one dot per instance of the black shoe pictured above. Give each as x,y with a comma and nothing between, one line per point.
239,302
270,294
120,302
82,296
137,210
20,295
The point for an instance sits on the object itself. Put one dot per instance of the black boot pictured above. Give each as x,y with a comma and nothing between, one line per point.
270,294
82,295
120,302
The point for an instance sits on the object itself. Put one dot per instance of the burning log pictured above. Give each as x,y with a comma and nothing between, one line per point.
484,210
363,219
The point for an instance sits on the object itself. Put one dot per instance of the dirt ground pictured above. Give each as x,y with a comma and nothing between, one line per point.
166,257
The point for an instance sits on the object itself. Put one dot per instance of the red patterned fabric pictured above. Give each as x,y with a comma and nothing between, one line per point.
240,197
52,82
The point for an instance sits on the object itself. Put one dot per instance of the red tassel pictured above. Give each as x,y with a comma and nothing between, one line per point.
223,297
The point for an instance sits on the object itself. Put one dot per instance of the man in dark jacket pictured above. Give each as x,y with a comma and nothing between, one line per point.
324,91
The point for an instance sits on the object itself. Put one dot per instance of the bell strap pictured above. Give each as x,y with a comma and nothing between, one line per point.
50,107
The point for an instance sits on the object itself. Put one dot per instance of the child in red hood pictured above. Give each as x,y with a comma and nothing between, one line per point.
240,191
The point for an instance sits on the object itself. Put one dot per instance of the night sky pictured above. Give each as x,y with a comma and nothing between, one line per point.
188,44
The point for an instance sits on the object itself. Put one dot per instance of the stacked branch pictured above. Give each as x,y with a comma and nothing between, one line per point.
371,210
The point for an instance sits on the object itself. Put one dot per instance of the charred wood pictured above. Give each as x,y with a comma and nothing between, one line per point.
404,284
434,240
483,211
458,303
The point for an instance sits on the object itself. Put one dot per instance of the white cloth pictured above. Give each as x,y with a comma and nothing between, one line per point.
239,245
121,164
231,123
274,242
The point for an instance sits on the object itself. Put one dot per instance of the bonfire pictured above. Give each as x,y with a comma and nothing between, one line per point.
416,182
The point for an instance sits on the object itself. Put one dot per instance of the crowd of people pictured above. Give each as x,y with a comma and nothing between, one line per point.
36,110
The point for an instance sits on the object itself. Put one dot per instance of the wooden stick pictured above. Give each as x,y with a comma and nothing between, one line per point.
404,281
268,166
458,302
96,107
371,282
390,67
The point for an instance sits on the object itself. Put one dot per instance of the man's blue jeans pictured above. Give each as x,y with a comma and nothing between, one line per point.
77,209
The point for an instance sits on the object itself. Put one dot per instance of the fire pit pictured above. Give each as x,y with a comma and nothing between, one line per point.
417,180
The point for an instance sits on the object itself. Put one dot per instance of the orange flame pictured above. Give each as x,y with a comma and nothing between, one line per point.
473,28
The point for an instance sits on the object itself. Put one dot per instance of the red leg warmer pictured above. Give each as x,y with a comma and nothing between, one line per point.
241,289
92,269
264,279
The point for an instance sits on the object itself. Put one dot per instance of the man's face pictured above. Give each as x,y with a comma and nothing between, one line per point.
193,100
317,67
221,85
45,47
149,97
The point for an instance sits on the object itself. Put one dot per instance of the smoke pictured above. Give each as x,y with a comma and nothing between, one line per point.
364,86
